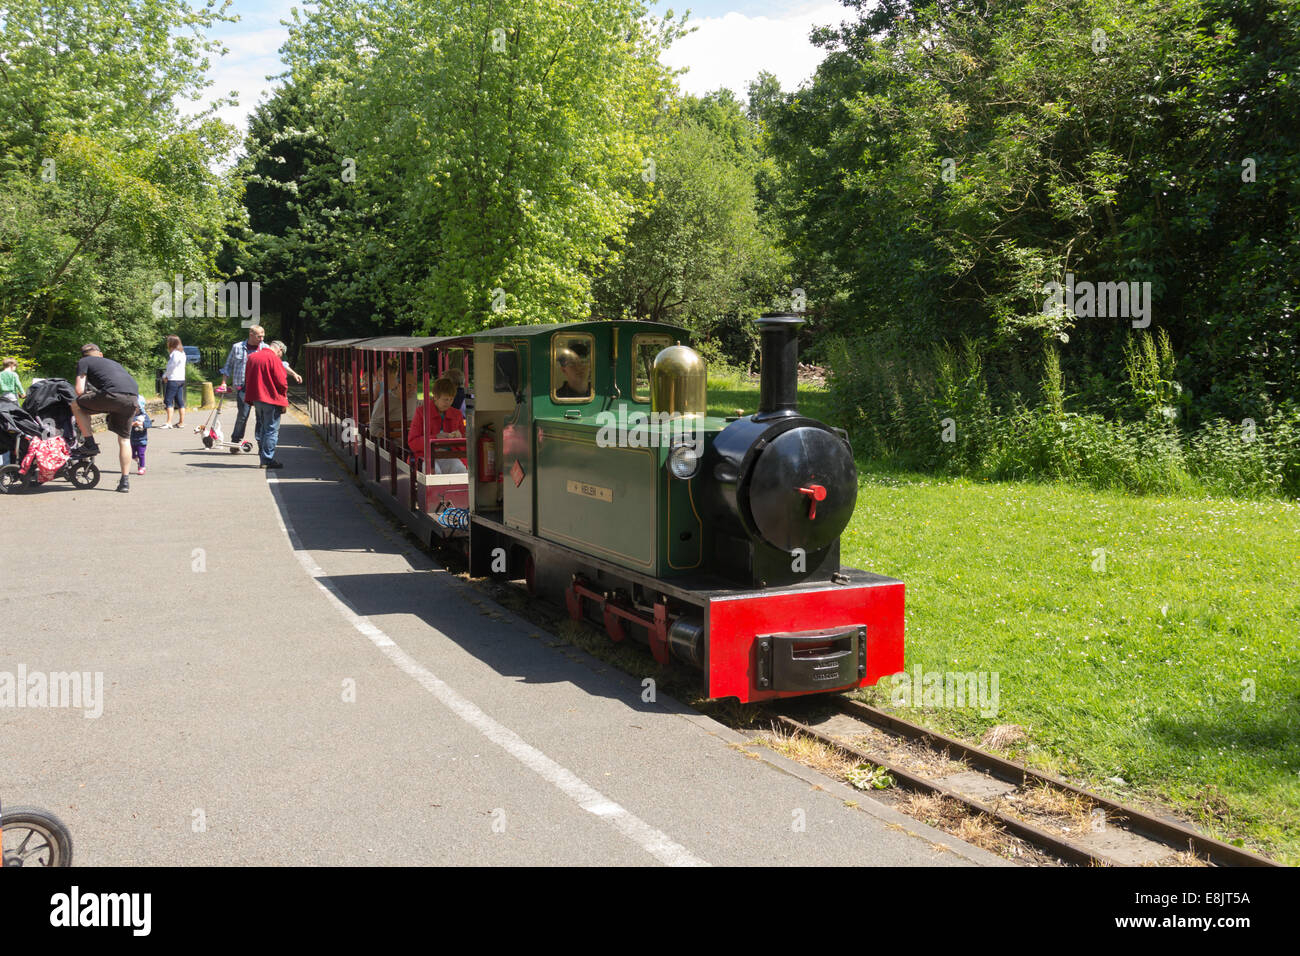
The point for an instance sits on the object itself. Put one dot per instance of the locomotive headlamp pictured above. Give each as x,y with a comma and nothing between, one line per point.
684,461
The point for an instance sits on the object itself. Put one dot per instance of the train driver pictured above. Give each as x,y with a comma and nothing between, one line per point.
573,363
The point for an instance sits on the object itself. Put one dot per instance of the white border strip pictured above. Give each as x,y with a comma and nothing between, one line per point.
653,841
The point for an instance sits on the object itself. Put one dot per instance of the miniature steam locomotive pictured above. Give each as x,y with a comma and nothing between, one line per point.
597,475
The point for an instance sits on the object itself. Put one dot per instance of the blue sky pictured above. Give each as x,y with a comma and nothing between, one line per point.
734,41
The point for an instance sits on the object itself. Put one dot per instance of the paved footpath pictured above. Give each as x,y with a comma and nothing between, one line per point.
287,679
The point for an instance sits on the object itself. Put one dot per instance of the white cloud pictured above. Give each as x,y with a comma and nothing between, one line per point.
252,55
246,78
256,44
732,49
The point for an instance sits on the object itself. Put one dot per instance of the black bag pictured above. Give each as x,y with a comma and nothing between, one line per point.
52,398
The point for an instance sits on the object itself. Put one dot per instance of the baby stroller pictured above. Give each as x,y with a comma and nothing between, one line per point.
40,450
210,431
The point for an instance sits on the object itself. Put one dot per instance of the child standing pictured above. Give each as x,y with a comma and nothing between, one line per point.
11,386
140,435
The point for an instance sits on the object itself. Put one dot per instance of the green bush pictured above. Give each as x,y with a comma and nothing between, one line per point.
937,413
13,344
887,403
719,363
1150,367
968,425
1247,459
1139,457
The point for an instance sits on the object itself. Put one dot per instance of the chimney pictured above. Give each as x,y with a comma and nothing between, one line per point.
778,381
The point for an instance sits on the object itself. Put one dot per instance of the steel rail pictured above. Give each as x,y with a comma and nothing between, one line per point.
1168,832
1058,846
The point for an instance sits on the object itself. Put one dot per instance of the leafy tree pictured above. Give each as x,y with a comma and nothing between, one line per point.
104,189
494,145
309,240
951,158
765,102
697,253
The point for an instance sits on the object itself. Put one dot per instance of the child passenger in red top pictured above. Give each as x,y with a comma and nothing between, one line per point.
437,419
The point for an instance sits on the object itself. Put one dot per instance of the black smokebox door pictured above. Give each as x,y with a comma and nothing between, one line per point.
800,458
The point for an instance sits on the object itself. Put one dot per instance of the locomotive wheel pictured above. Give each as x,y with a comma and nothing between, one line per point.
11,482
84,474
33,837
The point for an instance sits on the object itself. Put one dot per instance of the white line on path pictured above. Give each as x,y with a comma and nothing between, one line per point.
654,842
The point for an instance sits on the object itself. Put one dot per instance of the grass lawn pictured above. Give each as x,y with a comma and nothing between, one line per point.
1173,667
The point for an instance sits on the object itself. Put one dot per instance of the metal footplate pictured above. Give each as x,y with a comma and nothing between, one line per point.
811,660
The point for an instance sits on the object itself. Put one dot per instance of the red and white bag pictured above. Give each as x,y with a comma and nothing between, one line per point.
49,454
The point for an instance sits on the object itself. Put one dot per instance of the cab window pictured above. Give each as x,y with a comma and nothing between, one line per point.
571,354
505,367
644,350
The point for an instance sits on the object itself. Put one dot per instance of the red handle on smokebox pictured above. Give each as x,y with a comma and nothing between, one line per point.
815,494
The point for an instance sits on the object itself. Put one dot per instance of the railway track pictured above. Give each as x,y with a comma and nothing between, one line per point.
993,787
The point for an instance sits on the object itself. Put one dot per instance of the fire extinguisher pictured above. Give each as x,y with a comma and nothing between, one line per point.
487,455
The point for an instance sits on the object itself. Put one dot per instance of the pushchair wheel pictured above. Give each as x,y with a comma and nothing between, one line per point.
246,447
11,480
85,474
34,837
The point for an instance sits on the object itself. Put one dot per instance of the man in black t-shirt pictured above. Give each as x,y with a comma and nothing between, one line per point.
116,394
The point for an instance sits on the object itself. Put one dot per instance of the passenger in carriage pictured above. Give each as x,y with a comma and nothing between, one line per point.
458,379
437,419
387,416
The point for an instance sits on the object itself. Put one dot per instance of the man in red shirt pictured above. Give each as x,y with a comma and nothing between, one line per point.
267,389
437,419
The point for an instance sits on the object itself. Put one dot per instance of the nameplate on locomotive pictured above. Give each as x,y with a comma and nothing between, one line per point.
590,491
